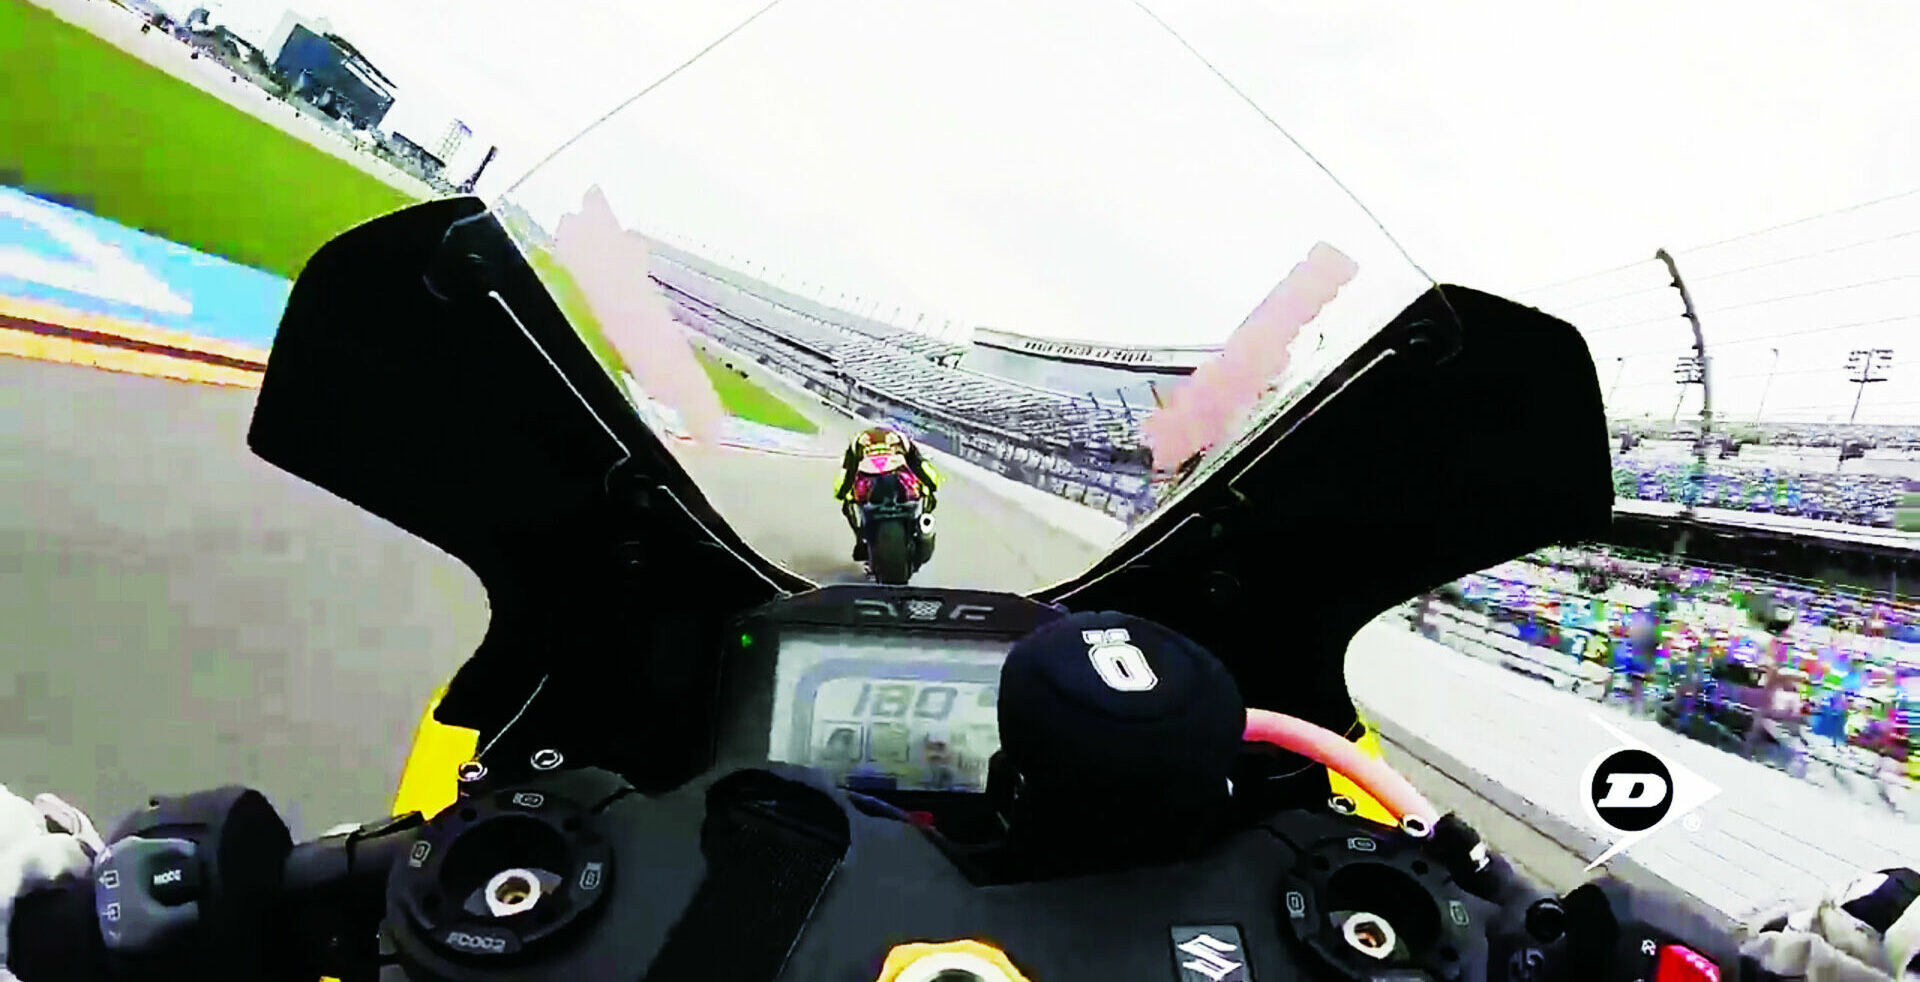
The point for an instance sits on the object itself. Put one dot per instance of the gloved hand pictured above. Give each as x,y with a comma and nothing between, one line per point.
1865,930
40,841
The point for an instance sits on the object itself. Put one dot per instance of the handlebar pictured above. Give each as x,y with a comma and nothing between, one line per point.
210,886
258,906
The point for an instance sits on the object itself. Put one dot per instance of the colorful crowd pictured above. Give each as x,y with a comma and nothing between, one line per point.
1757,665
1854,499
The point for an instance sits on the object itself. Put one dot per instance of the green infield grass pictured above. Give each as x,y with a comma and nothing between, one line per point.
96,128
573,303
738,396
742,398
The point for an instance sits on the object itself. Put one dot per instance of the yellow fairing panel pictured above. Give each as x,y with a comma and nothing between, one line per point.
429,783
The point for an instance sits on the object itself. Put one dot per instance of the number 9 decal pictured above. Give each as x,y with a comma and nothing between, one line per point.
1118,663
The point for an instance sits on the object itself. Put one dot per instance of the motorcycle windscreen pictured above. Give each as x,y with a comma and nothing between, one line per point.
1321,433
738,303
1333,434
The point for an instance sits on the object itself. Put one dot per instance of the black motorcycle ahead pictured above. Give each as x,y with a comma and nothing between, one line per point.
896,522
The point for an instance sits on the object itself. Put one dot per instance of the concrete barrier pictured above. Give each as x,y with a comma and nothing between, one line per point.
1475,736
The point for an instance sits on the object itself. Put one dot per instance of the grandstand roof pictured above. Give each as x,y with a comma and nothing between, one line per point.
1161,358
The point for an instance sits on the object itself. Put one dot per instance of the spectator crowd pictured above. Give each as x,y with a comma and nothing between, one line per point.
1780,671
1854,499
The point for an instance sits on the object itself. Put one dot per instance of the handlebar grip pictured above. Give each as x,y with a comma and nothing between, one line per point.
54,935
1620,933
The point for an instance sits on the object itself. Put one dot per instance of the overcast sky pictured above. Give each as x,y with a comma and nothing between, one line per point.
1067,169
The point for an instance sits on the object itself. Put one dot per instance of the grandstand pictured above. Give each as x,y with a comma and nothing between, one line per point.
842,352
1852,499
684,270
1879,436
1089,448
1853,656
1133,375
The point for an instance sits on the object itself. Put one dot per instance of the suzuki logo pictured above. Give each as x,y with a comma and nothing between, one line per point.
1210,957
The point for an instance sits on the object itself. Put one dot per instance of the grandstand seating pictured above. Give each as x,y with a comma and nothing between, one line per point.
1789,434
901,364
835,351
1855,499
1850,655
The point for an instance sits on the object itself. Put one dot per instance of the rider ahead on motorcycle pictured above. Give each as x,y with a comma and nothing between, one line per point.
871,442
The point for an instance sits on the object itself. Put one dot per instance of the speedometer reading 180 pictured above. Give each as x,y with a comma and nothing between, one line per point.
928,735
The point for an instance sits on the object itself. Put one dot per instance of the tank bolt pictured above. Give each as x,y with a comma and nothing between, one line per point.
546,760
1342,805
471,771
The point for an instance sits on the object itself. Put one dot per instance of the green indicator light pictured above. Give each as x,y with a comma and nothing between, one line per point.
746,640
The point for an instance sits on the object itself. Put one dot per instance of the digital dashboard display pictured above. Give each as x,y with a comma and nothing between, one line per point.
920,712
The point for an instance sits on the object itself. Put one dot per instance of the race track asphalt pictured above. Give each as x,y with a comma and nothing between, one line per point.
182,615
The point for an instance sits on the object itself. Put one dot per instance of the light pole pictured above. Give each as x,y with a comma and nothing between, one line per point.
1768,387
1862,366
1620,367
1694,372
